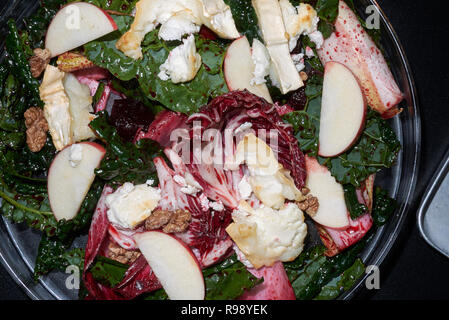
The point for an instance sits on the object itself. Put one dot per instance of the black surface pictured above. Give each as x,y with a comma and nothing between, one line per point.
413,270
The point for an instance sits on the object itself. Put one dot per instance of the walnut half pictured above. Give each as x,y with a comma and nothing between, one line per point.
117,253
170,221
310,205
39,61
37,128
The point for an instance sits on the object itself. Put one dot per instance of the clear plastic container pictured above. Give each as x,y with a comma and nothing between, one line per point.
18,244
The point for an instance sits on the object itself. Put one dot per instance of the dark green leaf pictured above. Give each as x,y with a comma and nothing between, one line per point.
108,272
16,50
383,207
228,280
355,208
245,18
342,283
53,254
124,161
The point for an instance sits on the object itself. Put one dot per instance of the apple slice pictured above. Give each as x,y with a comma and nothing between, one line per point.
343,110
351,45
77,24
239,68
68,183
174,264
332,211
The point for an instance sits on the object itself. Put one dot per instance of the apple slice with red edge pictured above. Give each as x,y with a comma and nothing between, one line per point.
343,110
174,264
68,185
239,68
332,211
75,25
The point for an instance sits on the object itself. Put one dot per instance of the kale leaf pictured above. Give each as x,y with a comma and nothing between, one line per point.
182,97
312,270
108,272
383,207
342,283
228,280
53,254
19,64
124,161
355,208
245,18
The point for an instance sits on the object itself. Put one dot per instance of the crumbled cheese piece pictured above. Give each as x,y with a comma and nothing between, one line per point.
298,60
269,181
76,155
241,257
244,188
204,202
282,71
300,20
130,205
262,62
265,235
188,184
56,107
317,38
216,206
182,63
309,52
81,108
215,14
243,128
176,26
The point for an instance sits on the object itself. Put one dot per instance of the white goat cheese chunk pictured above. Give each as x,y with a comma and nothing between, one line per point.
269,181
245,188
130,205
300,20
216,206
265,235
176,26
262,62
182,63
81,108
75,155
56,107
298,60
215,14
271,23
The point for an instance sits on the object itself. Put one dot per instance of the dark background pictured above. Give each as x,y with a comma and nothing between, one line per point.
412,270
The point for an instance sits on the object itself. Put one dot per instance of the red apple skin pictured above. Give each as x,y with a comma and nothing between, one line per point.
113,24
93,144
327,67
351,45
182,243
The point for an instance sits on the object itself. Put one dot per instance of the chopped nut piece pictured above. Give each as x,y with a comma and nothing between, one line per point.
310,205
37,128
121,255
171,221
158,219
179,222
303,76
39,61
305,191
71,61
